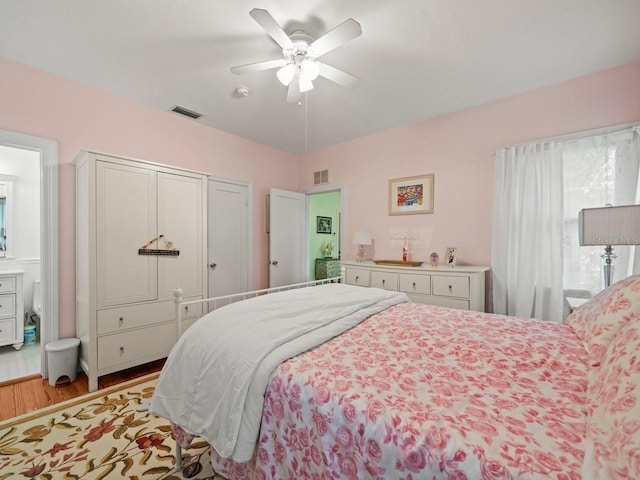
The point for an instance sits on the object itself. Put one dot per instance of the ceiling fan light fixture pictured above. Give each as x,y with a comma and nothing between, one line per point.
298,67
310,69
305,83
286,74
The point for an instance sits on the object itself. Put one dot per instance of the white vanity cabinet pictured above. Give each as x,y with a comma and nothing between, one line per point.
11,308
456,287
124,302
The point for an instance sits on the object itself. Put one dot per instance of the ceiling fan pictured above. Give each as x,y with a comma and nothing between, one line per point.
299,66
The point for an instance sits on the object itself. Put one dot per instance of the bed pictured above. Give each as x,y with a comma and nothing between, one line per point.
410,391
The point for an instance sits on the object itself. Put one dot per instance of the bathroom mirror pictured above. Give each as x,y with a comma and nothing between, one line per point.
5,213
3,228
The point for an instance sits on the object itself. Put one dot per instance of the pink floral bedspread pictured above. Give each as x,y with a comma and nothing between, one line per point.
420,392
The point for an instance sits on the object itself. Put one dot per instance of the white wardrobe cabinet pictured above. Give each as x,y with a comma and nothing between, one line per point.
124,303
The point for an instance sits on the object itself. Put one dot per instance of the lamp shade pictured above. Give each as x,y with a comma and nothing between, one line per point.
286,74
362,238
310,69
610,225
305,83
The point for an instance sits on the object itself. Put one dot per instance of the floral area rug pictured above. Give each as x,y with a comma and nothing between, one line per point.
98,436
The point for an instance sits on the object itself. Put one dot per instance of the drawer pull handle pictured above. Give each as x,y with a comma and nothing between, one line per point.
414,285
121,320
450,288
357,277
121,351
186,308
383,282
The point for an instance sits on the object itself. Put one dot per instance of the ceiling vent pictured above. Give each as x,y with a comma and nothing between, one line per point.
186,112
321,177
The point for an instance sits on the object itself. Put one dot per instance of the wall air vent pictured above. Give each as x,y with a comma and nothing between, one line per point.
321,177
186,112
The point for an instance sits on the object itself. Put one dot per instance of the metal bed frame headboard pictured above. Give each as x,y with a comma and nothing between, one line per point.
217,302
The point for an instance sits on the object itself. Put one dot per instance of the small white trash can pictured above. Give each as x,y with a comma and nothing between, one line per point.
62,357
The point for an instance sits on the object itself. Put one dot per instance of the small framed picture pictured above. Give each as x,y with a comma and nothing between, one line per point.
323,225
411,195
450,256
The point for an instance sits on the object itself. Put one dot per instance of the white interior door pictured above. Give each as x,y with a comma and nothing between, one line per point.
229,237
287,237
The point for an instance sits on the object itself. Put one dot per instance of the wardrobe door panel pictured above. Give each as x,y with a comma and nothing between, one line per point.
180,220
125,221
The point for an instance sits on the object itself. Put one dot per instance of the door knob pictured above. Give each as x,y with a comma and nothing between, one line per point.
213,265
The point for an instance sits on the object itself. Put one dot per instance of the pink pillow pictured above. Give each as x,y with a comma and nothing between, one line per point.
612,447
597,321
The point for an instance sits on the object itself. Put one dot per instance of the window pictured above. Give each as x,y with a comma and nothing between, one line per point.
598,170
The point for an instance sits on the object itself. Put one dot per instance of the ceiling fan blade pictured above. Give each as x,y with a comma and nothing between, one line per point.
266,21
347,30
256,67
338,76
293,93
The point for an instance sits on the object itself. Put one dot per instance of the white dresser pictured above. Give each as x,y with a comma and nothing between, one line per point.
456,287
11,308
124,302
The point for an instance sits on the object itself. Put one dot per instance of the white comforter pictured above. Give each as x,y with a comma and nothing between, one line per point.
213,382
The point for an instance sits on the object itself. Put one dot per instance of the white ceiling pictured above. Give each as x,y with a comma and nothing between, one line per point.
417,58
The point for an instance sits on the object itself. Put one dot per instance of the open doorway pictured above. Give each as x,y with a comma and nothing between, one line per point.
324,234
293,224
19,261
326,223
36,257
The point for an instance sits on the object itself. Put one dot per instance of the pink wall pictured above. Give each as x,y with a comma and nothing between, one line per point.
78,117
458,149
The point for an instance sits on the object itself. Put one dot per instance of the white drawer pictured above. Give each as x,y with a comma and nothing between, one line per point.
7,284
411,283
458,303
386,280
451,286
7,304
118,319
7,329
134,345
357,276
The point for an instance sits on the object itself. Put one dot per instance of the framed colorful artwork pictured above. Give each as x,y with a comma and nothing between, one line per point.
323,224
411,195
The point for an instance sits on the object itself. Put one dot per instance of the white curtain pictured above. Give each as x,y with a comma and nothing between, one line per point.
526,255
598,170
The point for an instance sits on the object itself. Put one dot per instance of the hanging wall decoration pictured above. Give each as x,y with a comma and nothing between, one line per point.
169,250
411,195
323,225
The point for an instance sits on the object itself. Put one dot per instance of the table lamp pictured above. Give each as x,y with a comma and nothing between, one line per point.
609,226
361,239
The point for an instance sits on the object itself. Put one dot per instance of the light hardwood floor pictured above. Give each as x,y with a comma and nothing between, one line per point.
32,393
